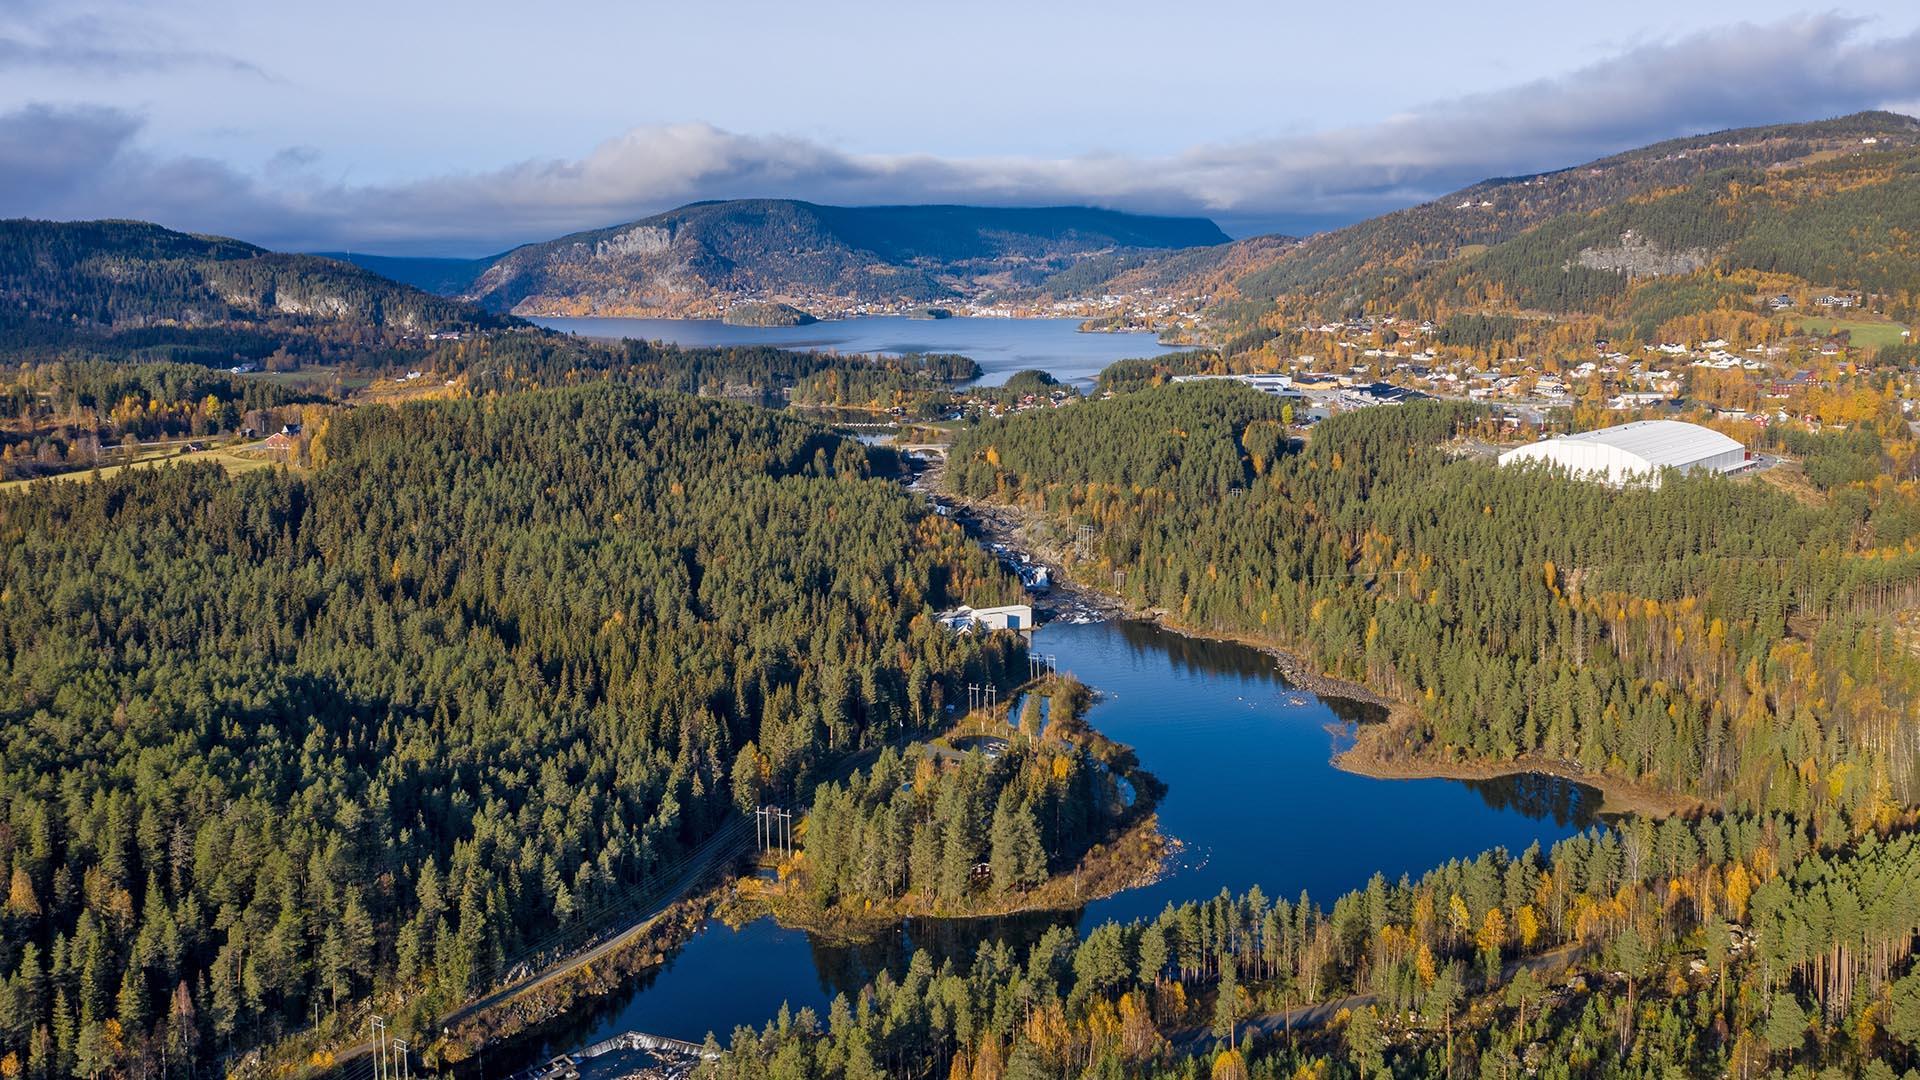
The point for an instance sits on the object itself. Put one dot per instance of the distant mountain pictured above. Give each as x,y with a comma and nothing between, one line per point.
701,258
1827,204
137,292
107,275
446,277
1195,271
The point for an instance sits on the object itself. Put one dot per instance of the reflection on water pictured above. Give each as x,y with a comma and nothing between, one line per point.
1538,796
1250,793
845,967
1195,655
1209,656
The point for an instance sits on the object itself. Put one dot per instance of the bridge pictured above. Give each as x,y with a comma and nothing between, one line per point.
938,448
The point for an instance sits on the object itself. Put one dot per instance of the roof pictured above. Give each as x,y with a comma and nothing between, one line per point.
1661,442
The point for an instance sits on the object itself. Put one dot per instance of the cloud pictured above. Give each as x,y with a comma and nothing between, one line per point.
82,161
89,44
88,161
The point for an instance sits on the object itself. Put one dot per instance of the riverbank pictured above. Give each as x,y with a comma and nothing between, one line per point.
1015,529
1374,754
531,1013
1380,750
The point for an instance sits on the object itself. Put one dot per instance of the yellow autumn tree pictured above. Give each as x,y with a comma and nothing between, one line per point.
1738,889
20,898
1493,930
1229,1065
987,1063
1528,924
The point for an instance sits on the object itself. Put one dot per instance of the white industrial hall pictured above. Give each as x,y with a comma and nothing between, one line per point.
1638,453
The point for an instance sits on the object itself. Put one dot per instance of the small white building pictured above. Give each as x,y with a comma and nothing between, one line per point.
962,620
1636,453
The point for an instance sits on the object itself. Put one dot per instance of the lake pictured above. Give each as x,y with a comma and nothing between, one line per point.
1250,792
1000,346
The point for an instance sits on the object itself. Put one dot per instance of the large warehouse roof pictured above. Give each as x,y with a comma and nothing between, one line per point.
1662,442
1636,451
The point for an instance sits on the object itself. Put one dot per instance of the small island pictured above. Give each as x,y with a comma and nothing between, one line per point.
766,314
1121,323
928,313
1003,813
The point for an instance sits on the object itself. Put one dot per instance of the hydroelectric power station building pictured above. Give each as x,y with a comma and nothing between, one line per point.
1636,453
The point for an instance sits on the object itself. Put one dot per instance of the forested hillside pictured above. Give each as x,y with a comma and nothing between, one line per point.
1715,948
1715,637
700,258
272,743
1809,201
108,275
509,362
113,334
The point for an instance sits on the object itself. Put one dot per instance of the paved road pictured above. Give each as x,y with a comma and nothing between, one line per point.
729,843
680,879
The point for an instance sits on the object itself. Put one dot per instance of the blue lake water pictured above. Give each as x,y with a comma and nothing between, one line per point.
1251,793
1000,346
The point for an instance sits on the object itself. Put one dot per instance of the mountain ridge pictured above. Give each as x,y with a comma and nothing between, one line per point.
701,258
1403,255
117,273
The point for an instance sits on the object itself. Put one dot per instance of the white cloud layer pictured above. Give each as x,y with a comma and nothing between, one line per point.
88,161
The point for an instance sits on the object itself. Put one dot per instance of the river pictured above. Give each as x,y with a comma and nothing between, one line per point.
1000,346
1251,793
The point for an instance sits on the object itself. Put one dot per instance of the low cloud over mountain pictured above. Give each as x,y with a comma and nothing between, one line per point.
86,161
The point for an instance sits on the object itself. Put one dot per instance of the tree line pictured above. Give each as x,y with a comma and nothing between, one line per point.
1711,947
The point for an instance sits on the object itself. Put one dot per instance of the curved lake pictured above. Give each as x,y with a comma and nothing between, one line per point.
1250,792
1000,346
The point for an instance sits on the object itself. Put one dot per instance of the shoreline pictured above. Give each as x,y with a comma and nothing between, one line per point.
1618,796
821,320
1012,525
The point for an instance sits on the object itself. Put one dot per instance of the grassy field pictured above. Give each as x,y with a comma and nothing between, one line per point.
226,459
1864,334
322,378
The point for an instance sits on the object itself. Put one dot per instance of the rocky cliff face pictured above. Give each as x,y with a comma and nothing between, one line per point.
1636,256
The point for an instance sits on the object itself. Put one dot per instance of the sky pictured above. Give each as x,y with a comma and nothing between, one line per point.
411,128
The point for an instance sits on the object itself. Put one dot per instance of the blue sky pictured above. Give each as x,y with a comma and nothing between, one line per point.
461,129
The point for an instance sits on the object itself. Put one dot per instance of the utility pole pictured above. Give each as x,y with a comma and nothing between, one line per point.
400,1047
773,829
379,1027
